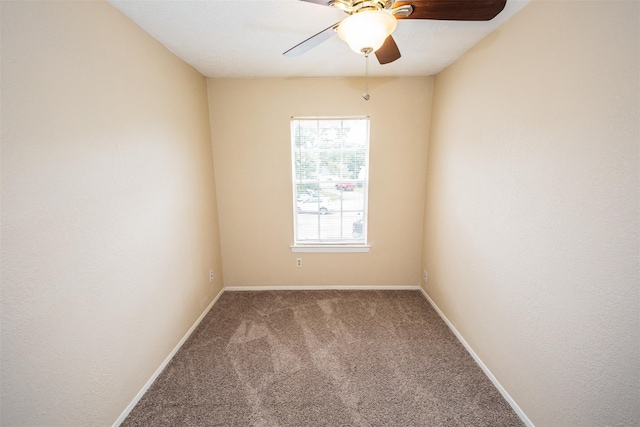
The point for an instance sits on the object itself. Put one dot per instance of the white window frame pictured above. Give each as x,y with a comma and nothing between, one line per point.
330,246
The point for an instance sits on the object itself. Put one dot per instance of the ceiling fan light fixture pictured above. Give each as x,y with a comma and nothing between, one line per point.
366,31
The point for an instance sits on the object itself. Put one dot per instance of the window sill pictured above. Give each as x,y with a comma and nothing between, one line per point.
330,248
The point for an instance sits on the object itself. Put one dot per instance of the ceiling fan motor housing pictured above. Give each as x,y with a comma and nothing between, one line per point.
355,6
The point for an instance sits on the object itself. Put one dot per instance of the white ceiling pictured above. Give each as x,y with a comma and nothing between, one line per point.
246,38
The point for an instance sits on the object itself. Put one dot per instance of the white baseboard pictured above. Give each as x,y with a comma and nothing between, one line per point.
166,361
480,363
324,288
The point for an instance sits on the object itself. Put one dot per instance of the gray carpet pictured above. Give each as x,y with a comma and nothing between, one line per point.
322,358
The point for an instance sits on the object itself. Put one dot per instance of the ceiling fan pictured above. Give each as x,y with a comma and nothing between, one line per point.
370,23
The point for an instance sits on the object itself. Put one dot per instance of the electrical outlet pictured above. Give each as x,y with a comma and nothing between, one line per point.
424,276
298,262
210,275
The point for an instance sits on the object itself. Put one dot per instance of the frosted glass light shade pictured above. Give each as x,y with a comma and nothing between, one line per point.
367,30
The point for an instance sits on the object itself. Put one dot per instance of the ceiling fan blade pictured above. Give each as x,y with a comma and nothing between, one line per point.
389,51
453,10
312,41
320,2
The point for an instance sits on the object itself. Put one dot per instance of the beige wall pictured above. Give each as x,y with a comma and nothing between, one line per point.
531,221
108,210
250,122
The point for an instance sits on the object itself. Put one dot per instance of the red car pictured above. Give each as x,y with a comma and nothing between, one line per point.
345,186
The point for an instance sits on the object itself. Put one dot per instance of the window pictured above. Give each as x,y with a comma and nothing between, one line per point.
330,159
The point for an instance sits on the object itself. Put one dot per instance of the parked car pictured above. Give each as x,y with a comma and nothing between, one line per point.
345,186
357,229
304,194
314,204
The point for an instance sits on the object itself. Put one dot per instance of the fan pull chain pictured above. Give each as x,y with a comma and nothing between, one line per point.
365,95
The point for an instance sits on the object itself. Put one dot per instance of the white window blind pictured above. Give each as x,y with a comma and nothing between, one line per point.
330,170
